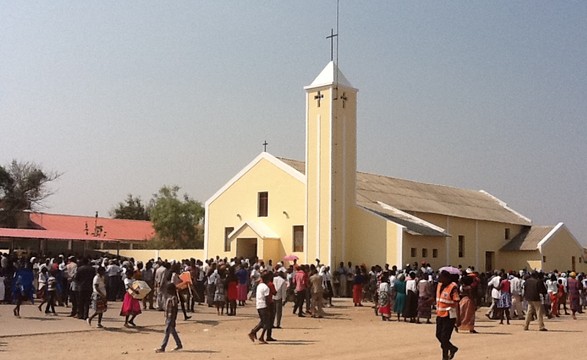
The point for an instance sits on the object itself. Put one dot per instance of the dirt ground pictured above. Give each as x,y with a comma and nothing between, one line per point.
347,332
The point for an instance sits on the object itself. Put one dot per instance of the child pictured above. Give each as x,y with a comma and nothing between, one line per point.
51,295
171,307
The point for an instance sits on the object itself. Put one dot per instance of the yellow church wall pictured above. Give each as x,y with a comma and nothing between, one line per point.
239,203
492,237
430,249
145,255
559,251
482,241
372,239
520,260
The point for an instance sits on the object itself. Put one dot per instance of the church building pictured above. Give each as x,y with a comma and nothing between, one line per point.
322,208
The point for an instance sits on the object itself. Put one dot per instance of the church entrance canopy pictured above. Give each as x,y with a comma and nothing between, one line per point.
255,239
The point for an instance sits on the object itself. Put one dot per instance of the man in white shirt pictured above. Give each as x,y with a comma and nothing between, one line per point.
281,293
495,294
262,298
516,290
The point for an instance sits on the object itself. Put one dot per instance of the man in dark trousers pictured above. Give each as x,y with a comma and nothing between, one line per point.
447,313
533,288
84,277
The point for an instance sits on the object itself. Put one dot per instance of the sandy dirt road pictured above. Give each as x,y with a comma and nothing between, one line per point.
348,332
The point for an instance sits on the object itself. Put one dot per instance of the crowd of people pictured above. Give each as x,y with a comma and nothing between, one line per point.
88,286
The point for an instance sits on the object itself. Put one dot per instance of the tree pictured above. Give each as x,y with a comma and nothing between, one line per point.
23,186
176,221
132,208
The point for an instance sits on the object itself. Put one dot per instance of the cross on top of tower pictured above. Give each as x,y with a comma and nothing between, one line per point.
331,37
265,143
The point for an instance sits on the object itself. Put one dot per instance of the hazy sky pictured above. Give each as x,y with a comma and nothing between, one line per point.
126,96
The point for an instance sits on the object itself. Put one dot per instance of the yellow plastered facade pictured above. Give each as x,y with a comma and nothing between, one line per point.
236,207
322,201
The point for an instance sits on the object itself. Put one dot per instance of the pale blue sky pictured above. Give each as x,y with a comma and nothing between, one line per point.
124,97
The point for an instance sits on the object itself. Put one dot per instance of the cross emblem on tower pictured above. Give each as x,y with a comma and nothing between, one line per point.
318,97
344,99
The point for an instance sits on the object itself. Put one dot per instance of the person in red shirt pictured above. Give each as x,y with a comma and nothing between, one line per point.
270,305
301,284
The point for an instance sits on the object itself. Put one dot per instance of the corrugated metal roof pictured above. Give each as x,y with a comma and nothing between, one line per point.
413,225
528,239
119,229
412,196
47,234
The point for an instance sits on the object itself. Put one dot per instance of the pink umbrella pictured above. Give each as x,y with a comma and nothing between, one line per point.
290,257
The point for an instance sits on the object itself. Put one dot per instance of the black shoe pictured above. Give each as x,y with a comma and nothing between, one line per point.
452,353
301,315
270,339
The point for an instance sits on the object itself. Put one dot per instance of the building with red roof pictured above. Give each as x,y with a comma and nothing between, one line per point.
43,232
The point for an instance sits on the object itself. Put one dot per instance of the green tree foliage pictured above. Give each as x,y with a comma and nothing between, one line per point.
132,208
176,220
23,186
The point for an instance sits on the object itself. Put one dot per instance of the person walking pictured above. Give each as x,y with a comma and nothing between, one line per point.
533,289
495,295
171,309
131,307
553,294
99,297
517,301
505,299
148,276
400,295
467,305
383,302
280,296
299,281
574,288
317,290
447,313
262,294
85,277
425,298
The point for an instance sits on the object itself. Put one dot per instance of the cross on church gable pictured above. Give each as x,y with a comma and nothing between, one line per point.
318,97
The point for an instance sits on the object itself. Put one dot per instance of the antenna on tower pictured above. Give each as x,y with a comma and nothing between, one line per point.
331,37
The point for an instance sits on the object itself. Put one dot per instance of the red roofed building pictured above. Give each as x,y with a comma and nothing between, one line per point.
42,232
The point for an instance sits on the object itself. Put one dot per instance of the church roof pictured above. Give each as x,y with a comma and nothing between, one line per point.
412,196
261,229
412,224
528,239
330,75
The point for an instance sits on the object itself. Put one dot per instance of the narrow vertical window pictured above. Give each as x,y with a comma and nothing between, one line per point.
424,253
434,253
461,246
298,238
263,204
413,252
507,233
227,231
